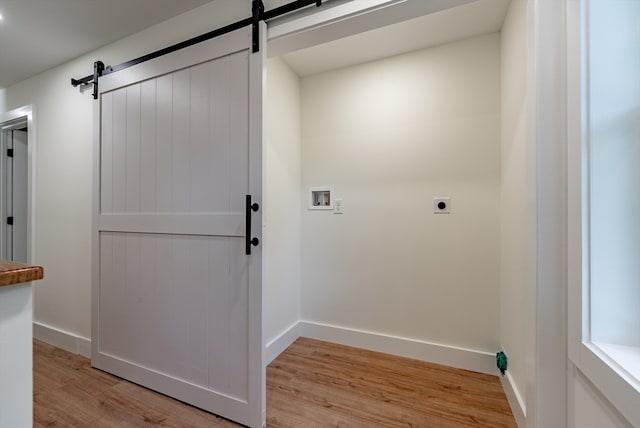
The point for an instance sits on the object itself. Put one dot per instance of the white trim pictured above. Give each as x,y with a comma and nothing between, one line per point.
62,339
28,113
611,380
577,168
226,44
546,389
17,114
626,358
516,401
464,358
278,345
327,16
257,374
312,27
452,356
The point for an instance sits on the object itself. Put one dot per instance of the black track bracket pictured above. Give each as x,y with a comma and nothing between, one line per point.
98,68
257,15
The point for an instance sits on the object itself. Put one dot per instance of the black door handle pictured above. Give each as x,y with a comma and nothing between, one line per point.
249,240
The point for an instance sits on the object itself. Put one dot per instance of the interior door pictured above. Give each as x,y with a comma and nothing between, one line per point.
19,196
177,302
14,194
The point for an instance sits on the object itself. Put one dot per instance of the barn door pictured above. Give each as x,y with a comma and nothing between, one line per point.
176,298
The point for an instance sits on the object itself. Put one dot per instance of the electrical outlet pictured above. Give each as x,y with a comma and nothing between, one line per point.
442,205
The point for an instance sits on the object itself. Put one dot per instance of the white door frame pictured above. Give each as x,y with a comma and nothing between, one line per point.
257,345
331,22
26,116
547,88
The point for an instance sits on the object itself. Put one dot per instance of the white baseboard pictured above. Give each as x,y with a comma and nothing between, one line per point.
468,359
280,343
62,339
515,399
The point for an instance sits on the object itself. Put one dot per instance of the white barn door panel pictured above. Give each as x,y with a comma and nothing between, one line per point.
176,301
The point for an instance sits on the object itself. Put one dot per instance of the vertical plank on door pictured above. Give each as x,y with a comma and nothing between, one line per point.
237,324
106,157
197,304
107,270
219,130
148,147
200,181
110,285
218,315
119,150
181,141
178,307
164,150
163,268
150,285
135,296
132,166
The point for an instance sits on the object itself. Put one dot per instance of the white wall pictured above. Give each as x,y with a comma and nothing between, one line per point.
64,163
281,237
518,204
389,136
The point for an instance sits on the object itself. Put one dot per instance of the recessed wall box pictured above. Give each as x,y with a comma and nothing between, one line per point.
321,198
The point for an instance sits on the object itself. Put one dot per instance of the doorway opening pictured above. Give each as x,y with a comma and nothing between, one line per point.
14,190
392,133
393,136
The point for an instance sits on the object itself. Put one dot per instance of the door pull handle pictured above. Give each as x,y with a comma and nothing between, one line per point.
249,240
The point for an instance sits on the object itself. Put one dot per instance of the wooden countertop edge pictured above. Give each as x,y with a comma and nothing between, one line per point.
14,273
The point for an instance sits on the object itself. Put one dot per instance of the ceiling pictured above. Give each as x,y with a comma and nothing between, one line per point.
36,35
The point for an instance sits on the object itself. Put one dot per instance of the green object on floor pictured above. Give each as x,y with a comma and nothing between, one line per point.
501,361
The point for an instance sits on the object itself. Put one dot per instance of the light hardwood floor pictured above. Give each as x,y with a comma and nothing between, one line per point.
311,384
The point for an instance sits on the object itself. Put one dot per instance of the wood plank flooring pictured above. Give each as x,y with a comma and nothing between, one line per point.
69,393
311,384
323,384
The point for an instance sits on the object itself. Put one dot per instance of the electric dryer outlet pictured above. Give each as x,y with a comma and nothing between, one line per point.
442,205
